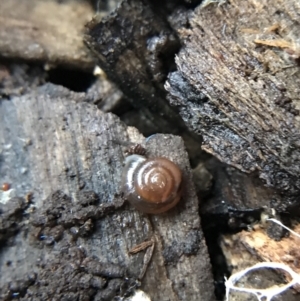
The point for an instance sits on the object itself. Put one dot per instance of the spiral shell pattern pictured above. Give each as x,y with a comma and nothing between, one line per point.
152,185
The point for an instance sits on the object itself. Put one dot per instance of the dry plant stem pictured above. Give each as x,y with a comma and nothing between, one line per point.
140,247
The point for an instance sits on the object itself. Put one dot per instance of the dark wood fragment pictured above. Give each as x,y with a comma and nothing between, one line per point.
203,180
135,46
236,192
77,234
241,94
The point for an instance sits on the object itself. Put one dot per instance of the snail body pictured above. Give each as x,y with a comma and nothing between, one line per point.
151,185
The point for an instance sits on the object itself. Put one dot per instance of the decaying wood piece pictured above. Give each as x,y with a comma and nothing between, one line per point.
74,240
285,251
247,248
45,31
240,90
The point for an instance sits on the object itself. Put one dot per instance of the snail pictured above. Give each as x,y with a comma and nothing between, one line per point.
152,185
5,186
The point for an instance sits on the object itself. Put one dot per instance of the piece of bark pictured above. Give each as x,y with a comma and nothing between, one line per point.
241,92
51,32
77,240
245,249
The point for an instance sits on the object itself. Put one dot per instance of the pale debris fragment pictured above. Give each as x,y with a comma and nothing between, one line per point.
139,296
208,2
268,293
5,196
99,72
262,294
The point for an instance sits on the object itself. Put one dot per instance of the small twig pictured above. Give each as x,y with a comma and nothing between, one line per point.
274,43
140,247
149,245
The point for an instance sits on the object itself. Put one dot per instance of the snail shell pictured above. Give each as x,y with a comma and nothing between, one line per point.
151,185
5,186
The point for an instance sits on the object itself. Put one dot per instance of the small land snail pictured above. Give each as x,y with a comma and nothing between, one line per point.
151,185
5,186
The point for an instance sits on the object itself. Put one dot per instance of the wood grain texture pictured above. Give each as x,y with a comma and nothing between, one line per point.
242,95
70,156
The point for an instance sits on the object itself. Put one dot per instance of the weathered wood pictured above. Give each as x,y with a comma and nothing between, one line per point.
245,249
240,91
76,242
46,31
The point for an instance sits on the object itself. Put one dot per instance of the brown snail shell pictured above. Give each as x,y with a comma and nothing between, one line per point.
151,185
5,186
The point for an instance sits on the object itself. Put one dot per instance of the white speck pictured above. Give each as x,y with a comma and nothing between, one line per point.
98,71
139,296
5,196
208,2
23,170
